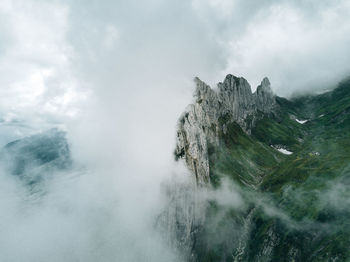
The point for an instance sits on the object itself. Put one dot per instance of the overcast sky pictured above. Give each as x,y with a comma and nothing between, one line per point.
55,55
117,75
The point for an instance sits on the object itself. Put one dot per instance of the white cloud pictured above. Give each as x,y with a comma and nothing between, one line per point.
297,52
35,64
111,36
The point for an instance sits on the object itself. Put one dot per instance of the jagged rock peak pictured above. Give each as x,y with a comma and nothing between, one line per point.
234,81
203,91
265,86
200,125
265,98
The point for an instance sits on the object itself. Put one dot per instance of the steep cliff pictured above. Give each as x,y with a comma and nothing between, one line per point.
286,163
213,110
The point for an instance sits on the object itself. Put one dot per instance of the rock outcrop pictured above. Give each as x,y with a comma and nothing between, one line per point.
247,201
200,124
199,129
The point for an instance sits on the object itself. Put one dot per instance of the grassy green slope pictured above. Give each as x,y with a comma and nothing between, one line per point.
299,204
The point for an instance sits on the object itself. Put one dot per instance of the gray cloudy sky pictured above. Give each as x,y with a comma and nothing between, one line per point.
56,55
117,75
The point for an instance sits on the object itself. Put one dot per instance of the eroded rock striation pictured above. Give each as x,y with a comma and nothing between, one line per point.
200,124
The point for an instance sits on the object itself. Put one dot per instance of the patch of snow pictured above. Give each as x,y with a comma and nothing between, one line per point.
284,151
321,115
281,149
301,121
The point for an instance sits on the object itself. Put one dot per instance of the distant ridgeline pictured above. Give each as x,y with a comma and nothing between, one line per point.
289,162
35,158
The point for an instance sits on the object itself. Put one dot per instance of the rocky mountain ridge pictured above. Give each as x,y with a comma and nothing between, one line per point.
287,163
200,124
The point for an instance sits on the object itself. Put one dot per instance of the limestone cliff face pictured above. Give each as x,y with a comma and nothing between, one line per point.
212,110
199,129
264,97
272,221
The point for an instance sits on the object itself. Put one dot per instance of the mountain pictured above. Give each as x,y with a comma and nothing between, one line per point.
35,158
212,115
286,164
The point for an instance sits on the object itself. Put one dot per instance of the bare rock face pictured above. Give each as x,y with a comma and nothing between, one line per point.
265,100
199,129
236,98
200,124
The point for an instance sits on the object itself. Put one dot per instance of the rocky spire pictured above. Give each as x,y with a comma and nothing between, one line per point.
265,99
199,125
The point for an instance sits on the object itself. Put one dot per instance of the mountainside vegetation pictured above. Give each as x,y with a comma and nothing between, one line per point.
292,173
